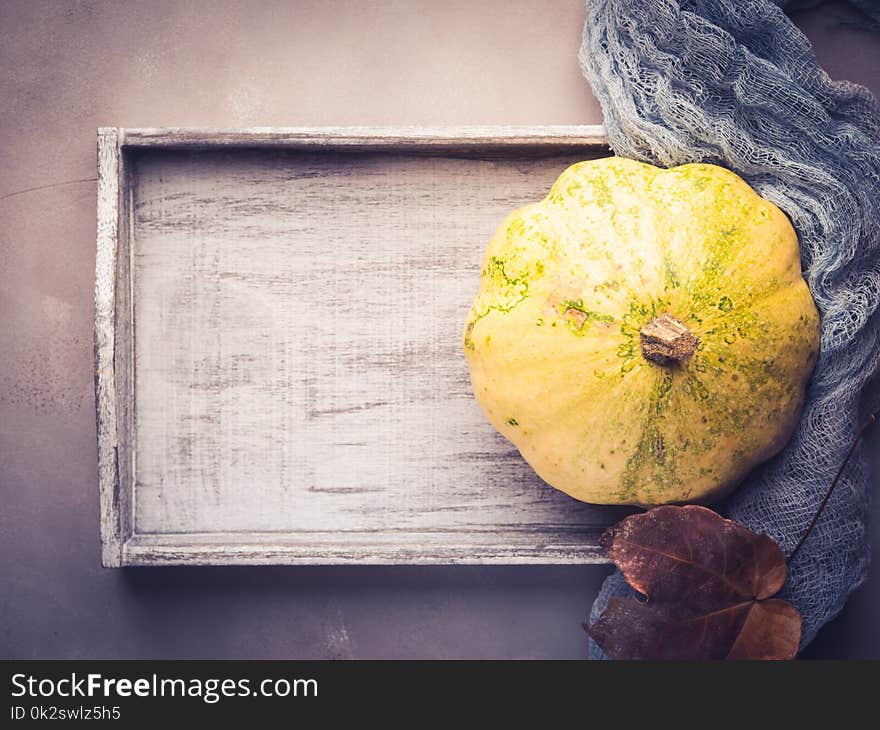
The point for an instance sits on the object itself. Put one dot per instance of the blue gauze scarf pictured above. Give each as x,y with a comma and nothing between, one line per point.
735,83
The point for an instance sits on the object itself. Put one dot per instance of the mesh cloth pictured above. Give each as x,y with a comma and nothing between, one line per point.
735,83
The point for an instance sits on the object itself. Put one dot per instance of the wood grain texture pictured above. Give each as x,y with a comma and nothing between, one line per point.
298,387
114,493
535,139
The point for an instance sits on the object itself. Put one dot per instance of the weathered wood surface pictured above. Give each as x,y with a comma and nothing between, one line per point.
537,140
113,493
299,389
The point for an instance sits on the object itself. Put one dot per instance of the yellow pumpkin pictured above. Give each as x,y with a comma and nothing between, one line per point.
643,336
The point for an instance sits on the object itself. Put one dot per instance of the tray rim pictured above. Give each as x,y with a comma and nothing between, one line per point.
404,136
114,375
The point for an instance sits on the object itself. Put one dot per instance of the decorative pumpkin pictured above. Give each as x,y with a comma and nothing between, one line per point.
643,336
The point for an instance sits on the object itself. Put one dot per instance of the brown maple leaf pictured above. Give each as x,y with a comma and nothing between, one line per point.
709,584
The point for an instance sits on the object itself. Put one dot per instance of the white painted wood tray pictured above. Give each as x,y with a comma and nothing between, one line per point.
278,348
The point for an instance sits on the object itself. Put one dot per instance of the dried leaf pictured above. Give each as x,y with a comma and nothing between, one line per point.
708,581
772,631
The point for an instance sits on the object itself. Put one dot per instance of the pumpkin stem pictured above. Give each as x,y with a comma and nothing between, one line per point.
666,340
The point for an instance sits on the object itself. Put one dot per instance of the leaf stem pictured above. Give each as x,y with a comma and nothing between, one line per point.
863,429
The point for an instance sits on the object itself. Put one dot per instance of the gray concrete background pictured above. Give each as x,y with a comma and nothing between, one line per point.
67,68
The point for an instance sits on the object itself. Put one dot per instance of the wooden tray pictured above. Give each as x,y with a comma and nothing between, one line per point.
278,348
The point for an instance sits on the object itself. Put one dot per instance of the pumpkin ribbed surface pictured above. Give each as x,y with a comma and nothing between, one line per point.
643,336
